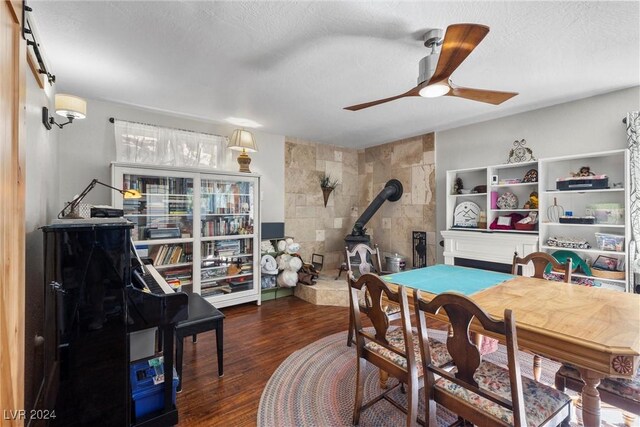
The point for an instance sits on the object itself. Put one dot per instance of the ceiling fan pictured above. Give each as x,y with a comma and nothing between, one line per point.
434,79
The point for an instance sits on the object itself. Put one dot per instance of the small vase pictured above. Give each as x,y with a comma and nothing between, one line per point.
326,191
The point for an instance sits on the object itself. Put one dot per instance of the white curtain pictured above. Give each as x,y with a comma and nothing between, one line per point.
141,143
633,139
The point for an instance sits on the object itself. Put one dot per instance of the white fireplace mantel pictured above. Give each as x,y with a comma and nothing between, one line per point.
495,247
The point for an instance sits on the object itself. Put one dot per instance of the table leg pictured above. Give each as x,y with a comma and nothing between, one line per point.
590,397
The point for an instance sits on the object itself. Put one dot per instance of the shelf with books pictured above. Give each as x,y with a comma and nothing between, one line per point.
215,215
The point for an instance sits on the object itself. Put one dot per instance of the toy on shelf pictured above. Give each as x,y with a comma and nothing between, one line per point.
532,203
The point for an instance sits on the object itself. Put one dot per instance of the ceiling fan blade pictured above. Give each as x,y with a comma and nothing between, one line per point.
411,92
489,96
459,42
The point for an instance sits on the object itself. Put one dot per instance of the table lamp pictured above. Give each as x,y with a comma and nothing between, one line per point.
72,206
242,140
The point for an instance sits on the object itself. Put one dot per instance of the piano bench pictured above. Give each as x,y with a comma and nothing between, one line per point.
203,317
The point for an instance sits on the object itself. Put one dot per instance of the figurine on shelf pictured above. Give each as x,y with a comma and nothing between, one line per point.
457,186
532,203
584,171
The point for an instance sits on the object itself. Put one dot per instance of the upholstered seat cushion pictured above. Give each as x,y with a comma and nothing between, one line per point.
626,388
439,354
540,401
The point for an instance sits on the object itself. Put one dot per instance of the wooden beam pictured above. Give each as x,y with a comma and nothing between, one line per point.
12,205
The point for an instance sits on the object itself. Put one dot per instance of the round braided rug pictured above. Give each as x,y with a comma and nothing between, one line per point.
315,386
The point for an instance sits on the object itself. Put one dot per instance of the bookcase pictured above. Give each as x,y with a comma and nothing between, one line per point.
200,227
605,209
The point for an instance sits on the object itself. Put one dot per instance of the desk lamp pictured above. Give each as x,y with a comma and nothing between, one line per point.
72,206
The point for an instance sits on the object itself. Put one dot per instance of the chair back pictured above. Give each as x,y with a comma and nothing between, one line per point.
377,290
461,311
365,258
540,260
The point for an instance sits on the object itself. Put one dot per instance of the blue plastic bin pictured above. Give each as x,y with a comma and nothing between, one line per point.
148,397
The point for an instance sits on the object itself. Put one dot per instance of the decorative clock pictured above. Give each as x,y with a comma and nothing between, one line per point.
466,215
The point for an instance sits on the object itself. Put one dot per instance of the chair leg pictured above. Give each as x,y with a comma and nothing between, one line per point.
560,382
412,404
362,364
179,346
219,346
430,416
384,377
351,326
537,367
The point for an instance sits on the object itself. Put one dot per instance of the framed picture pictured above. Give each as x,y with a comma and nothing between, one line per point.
606,263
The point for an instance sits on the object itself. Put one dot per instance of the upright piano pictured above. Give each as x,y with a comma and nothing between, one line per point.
93,301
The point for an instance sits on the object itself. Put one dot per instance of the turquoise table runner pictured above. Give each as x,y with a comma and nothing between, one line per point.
443,278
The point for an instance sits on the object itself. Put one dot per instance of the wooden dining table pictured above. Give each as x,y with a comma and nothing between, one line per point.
597,330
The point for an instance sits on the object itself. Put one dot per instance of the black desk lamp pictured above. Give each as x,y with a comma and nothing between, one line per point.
72,206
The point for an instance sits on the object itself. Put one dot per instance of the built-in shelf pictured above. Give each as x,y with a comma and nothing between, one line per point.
165,266
162,241
584,225
586,251
468,195
226,214
229,237
583,191
519,184
514,210
158,214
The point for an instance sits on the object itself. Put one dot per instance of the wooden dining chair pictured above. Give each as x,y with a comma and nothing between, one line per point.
368,261
540,261
480,392
387,348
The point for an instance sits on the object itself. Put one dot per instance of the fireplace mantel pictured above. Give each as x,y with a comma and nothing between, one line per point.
489,247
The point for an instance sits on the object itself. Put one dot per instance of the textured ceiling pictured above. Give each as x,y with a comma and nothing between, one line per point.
293,66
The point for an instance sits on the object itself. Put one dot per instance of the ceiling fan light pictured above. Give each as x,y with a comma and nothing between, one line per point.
435,90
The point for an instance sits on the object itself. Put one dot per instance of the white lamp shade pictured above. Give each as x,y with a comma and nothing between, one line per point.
242,140
71,106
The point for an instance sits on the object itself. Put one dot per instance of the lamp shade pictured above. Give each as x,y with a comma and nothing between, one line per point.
71,106
242,140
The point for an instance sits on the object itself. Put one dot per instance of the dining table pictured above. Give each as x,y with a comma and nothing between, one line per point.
597,330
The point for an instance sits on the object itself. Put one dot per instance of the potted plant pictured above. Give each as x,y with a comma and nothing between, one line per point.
328,185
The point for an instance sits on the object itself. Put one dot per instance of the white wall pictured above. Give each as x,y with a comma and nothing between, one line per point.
41,178
583,126
86,149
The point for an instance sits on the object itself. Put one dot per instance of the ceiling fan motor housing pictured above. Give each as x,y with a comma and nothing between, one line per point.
432,40
427,67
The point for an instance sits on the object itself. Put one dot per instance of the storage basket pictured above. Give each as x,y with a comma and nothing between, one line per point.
606,274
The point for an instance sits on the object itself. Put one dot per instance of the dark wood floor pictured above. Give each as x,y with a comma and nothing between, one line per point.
257,339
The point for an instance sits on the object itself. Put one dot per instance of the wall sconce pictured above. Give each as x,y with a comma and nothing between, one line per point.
242,140
70,211
69,106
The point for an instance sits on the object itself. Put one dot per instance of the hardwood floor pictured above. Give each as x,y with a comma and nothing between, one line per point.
256,341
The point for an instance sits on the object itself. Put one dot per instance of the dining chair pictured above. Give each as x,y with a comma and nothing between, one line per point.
387,348
619,392
540,261
368,261
481,392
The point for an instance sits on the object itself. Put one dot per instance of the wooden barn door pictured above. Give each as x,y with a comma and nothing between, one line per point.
12,223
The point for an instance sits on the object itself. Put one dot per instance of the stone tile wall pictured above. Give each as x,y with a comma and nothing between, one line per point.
412,162
362,174
318,228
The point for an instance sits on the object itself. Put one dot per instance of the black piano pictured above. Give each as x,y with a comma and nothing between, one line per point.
95,297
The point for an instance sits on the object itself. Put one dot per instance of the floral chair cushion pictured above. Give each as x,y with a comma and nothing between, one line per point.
439,354
626,388
540,401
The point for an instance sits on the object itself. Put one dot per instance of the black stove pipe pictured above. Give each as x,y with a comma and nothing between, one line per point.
392,191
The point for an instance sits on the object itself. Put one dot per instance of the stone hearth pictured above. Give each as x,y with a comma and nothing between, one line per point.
326,291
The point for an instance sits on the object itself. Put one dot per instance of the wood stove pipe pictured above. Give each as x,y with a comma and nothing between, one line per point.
392,191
